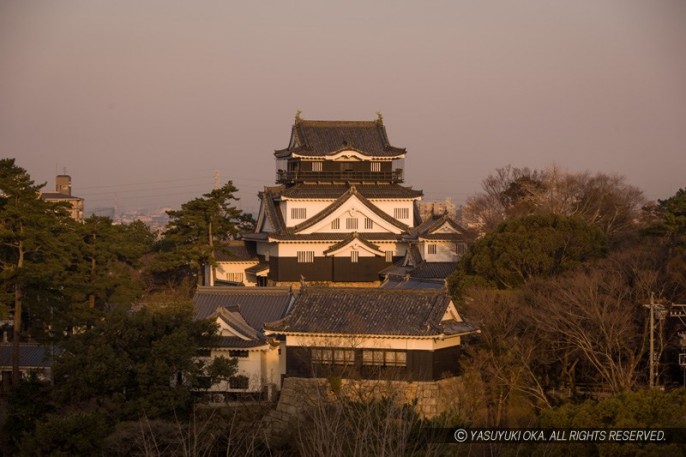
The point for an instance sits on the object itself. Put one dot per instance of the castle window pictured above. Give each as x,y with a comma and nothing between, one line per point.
239,354
336,223
305,256
234,277
351,223
368,223
379,357
376,166
389,256
298,213
316,166
354,256
401,213
337,356
431,248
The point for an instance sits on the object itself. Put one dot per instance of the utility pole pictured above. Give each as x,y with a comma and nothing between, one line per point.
675,310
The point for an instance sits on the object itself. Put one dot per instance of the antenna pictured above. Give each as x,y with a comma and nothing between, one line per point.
217,180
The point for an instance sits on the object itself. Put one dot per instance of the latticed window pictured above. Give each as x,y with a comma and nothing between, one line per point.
234,277
401,213
351,223
368,223
354,256
381,357
336,224
316,166
376,166
305,256
432,248
389,256
298,213
337,356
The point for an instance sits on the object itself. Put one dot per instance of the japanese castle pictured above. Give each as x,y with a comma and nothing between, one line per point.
339,214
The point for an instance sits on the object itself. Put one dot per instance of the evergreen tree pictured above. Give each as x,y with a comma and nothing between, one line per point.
35,241
194,231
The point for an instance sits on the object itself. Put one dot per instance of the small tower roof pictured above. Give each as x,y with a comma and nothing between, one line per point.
321,138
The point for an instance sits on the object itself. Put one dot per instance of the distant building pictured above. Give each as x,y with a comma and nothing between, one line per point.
63,194
33,358
103,212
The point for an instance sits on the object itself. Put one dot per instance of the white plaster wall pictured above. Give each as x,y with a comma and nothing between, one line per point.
312,208
427,344
222,270
446,251
388,206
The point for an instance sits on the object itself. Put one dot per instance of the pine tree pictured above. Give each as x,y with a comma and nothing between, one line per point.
194,231
32,242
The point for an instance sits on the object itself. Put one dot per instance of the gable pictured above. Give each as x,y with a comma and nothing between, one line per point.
364,248
446,227
227,330
350,206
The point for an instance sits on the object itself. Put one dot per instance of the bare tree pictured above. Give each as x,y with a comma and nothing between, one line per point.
508,356
594,315
605,201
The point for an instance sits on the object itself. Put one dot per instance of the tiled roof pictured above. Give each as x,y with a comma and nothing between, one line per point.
235,250
335,191
232,316
257,268
58,196
367,311
406,282
425,229
437,270
272,213
257,304
321,138
30,355
238,343
352,192
451,236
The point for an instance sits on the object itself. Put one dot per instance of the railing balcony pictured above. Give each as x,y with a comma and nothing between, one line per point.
288,177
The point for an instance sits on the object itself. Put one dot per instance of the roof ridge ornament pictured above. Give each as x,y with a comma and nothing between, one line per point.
298,118
379,117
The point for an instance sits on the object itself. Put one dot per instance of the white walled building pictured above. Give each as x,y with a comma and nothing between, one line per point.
241,313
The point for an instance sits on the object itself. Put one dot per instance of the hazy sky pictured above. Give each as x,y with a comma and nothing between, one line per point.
142,100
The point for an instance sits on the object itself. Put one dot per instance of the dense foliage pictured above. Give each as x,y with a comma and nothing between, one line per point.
195,231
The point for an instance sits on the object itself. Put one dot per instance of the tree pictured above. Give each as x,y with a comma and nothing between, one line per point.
108,257
527,247
593,316
134,363
34,241
604,201
193,231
